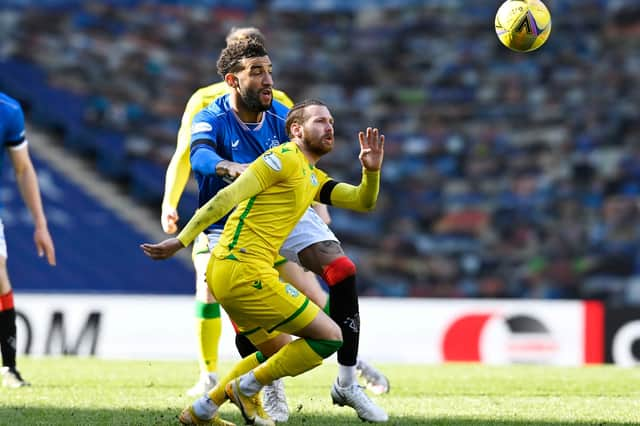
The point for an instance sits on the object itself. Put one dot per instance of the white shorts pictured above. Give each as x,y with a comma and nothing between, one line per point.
3,243
310,229
202,247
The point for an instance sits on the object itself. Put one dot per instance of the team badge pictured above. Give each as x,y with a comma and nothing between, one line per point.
314,179
273,142
291,290
272,161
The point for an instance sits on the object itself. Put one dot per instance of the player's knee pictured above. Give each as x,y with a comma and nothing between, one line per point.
338,270
330,331
244,345
325,347
318,255
272,346
336,333
203,293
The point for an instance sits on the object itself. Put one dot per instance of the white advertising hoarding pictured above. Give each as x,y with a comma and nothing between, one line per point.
392,330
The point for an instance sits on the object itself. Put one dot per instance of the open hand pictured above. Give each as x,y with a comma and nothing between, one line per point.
162,250
371,149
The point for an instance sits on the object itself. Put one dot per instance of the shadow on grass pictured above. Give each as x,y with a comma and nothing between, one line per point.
24,415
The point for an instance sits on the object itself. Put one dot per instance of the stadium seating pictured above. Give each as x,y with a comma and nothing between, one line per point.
97,251
506,175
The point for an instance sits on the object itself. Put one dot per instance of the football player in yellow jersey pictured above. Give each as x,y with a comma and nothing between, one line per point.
272,195
207,310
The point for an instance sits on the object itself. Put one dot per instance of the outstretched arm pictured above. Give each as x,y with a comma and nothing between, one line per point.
364,196
246,186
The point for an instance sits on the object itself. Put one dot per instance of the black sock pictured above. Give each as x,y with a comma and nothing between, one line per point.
344,310
244,346
8,337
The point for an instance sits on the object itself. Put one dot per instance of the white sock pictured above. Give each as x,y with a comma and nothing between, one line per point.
204,408
249,385
346,375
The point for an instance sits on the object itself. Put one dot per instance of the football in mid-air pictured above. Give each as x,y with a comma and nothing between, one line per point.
523,25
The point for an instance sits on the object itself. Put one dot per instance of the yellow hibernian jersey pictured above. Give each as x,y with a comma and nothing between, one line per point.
180,167
272,195
259,225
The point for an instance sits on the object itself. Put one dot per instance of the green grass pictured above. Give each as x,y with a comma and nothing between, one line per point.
81,391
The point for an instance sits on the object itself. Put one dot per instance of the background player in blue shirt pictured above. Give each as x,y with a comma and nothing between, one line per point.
12,136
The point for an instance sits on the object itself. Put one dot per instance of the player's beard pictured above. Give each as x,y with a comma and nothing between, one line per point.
252,100
318,146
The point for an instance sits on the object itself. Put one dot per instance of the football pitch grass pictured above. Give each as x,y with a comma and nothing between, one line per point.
86,391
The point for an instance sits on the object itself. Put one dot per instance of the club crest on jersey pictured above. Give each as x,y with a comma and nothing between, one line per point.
272,161
314,179
201,127
291,290
273,142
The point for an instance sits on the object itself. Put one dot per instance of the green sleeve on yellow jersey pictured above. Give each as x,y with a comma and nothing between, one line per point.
267,170
245,186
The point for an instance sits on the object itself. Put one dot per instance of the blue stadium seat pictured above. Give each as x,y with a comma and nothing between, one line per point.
97,251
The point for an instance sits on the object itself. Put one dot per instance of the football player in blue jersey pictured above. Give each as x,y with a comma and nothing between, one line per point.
12,136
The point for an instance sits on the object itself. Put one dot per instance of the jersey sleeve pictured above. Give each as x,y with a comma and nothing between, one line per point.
203,129
179,166
245,186
283,98
205,137
15,133
360,198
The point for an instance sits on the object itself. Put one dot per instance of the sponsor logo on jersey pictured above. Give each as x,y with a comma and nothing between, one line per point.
201,127
257,284
272,161
235,143
291,290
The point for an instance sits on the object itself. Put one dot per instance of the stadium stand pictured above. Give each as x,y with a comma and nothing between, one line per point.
506,175
97,250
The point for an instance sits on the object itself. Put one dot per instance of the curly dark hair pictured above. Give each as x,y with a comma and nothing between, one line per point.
296,113
231,56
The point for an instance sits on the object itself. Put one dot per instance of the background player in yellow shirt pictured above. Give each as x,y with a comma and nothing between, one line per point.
277,189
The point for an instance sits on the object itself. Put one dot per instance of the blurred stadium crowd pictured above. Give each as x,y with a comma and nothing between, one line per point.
506,175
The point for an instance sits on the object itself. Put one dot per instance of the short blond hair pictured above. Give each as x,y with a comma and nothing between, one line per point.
241,33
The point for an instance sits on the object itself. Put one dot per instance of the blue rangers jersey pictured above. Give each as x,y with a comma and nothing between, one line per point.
11,125
220,131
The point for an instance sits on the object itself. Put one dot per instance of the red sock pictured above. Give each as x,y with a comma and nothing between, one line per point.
6,301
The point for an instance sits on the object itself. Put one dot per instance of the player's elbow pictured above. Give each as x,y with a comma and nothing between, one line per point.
368,205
